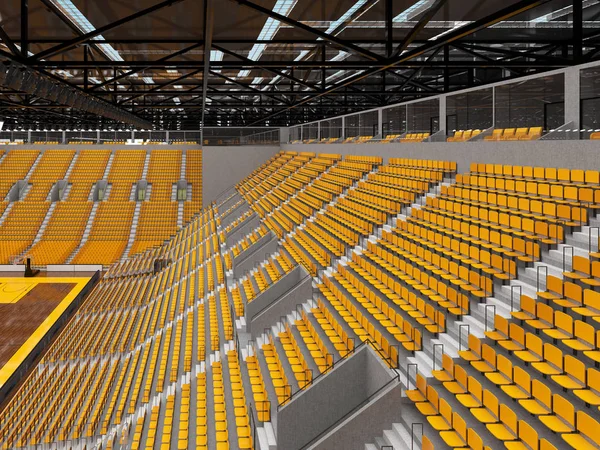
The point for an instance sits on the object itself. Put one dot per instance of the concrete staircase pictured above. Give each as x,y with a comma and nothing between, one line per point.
71,166
38,236
86,232
134,225
396,438
108,165
33,166
146,165
6,212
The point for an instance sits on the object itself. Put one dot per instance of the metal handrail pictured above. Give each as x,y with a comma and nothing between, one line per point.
512,290
485,317
460,328
329,368
537,281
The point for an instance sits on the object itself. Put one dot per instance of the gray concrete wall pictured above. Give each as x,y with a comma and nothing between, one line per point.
279,299
256,253
568,154
330,399
225,166
242,229
230,216
369,422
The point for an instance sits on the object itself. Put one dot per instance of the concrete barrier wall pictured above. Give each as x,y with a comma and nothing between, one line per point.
232,215
366,424
278,300
18,268
256,253
242,229
331,399
74,268
568,154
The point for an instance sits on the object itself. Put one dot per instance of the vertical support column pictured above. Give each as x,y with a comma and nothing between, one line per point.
442,113
572,96
97,136
343,128
318,131
85,71
577,31
380,122
64,137
25,28
389,28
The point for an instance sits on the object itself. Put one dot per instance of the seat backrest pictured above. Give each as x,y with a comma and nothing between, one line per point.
528,435
541,393
459,425
586,332
592,298
522,379
521,131
474,441
545,445
509,418
535,130
588,426
508,132
564,409
426,444
575,368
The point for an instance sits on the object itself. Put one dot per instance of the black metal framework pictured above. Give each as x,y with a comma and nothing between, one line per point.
309,74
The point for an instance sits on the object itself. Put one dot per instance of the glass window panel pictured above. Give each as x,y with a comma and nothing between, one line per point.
394,120
423,117
331,129
590,101
470,111
532,103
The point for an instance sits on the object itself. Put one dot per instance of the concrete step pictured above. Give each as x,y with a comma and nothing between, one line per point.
40,232
146,165
108,165
71,166
6,212
86,232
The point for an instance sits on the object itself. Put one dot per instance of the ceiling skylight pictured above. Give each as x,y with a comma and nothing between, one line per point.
413,11
81,22
282,7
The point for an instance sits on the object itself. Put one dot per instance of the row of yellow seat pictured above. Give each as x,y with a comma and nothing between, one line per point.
515,134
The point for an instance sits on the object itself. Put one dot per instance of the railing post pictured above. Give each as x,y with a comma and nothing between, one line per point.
460,328
408,366
434,347
512,301
412,433
537,281
485,319
597,239
564,255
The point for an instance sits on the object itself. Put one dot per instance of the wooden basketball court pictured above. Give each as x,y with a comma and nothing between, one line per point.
28,309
